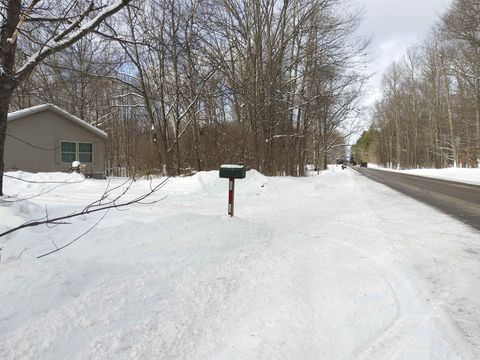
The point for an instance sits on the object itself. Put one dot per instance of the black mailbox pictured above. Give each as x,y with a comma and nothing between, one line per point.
232,171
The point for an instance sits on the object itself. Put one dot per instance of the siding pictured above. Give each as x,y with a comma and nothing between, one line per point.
44,131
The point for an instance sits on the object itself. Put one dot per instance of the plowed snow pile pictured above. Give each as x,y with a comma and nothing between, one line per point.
332,266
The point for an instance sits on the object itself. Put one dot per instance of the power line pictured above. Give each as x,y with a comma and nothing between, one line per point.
32,145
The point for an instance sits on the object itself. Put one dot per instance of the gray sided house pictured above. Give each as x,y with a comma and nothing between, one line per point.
45,138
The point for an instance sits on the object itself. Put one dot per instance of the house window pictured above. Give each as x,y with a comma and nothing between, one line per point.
85,152
71,151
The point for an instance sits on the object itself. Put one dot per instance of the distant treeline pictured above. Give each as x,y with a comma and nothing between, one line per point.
429,115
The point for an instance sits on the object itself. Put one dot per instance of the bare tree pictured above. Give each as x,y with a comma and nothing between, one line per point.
188,85
430,112
52,28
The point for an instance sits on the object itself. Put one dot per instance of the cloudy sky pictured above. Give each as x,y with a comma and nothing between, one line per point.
394,26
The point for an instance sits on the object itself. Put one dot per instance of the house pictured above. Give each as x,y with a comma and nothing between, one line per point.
45,138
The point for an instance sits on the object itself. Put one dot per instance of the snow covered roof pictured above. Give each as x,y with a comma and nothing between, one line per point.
35,109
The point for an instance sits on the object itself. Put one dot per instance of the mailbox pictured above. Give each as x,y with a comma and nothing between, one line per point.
232,171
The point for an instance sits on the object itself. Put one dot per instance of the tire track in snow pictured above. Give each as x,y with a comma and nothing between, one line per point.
387,335
391,342
411,321
388,341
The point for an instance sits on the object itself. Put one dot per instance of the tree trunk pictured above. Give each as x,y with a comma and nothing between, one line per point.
449,112
6,91
398,139
477,117
7,63
325,158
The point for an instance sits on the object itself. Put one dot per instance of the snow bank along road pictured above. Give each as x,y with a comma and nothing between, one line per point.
333,266
458,199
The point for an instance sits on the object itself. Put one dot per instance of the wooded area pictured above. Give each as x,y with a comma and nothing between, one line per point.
32,32
429,115
183,86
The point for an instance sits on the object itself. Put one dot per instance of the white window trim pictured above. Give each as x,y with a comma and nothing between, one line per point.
77,152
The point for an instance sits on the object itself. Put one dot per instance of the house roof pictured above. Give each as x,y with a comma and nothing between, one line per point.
35,109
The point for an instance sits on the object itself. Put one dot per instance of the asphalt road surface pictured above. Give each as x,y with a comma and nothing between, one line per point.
456,199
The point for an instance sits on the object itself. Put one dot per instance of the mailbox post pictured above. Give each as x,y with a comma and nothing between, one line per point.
231,195
232,172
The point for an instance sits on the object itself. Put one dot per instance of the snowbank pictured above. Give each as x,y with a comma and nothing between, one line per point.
48,177
327,267
208,183
466,175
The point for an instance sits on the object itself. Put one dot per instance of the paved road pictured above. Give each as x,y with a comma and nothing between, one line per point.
457,199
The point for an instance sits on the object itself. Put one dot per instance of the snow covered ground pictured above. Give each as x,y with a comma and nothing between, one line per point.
466,175
332,266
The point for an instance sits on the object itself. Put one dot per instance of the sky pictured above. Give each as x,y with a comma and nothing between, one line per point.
395,25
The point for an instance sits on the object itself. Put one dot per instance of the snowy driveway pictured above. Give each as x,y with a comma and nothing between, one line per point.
333,266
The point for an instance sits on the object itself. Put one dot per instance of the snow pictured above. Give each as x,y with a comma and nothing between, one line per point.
232,166
332,266
465,175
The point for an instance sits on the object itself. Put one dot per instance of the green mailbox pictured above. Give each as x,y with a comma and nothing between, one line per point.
232,171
